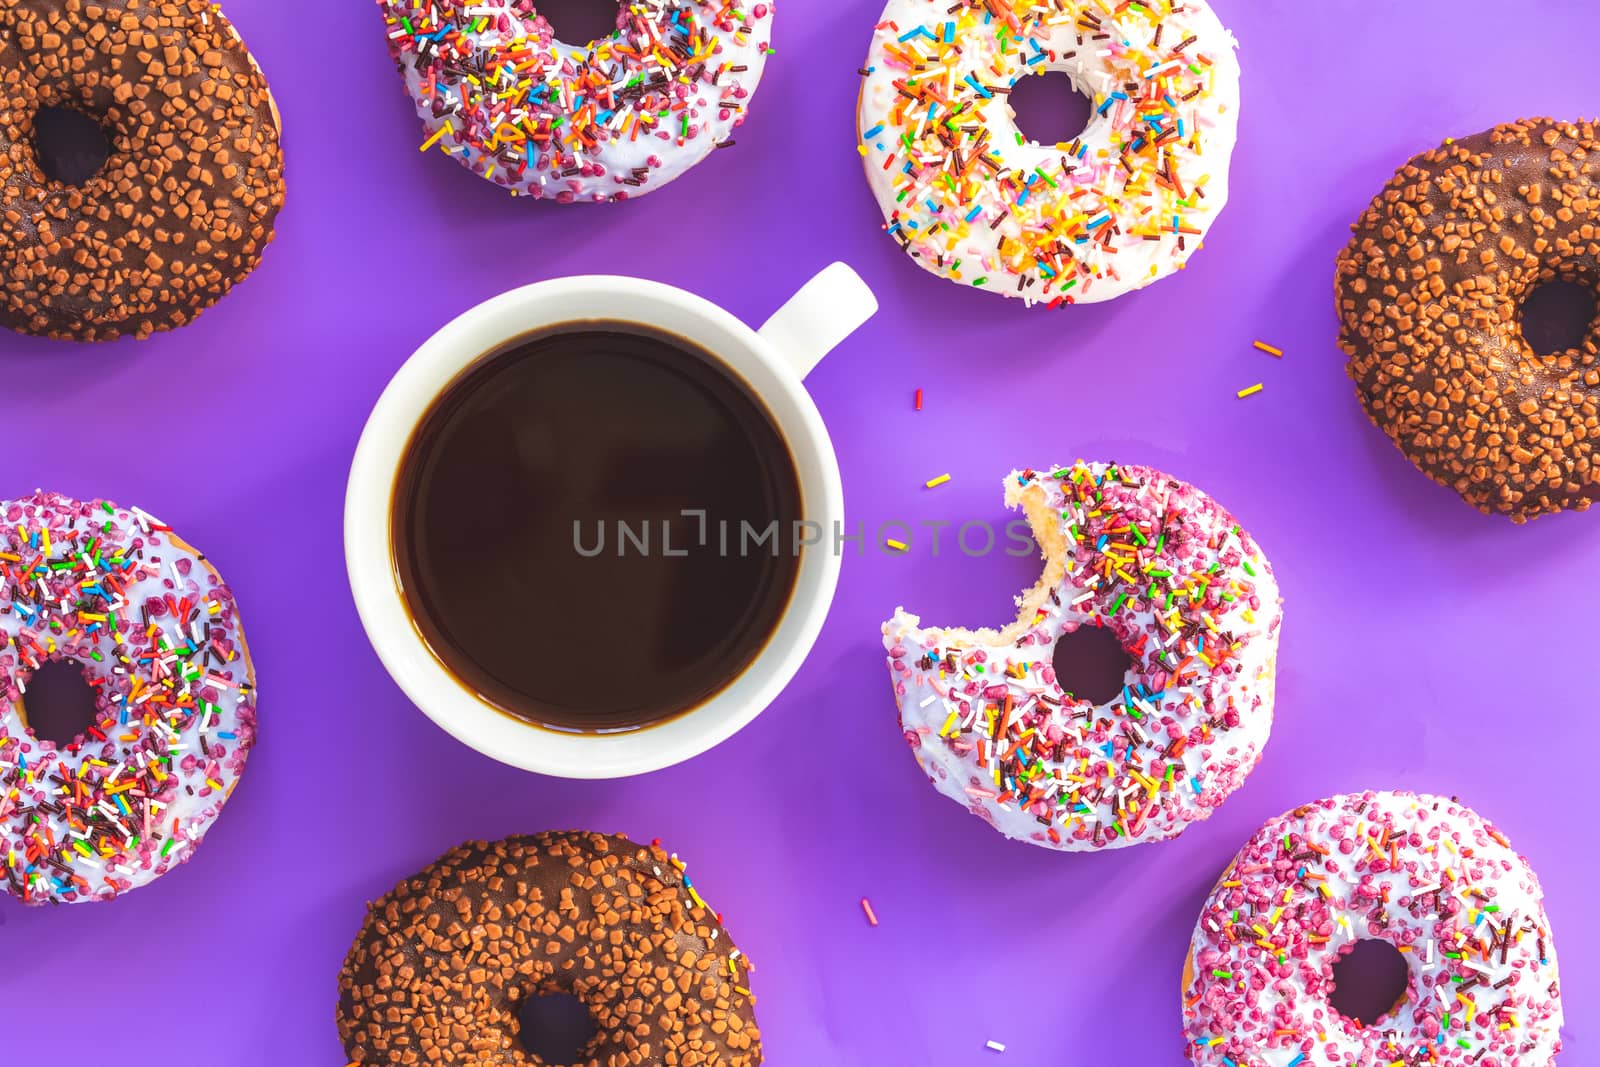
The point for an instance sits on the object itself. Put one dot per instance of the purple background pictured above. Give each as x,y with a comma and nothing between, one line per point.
1426,646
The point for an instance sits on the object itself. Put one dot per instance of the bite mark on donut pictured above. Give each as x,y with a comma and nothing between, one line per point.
992,725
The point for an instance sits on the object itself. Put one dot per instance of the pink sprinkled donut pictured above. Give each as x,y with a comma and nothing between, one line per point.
1190,599
1423,874
156,634
609,120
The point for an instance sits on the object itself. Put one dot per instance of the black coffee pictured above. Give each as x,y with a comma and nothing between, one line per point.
540,533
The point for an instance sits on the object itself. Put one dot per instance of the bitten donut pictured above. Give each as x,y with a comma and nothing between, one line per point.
156,633
445,960
613,119
185,203
1426,875
1430,294
971,199
1191,600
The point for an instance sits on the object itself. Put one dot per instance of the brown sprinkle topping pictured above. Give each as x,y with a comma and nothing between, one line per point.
1430,292
446,959
185,204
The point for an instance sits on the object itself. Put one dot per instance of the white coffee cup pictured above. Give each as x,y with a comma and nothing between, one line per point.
772,361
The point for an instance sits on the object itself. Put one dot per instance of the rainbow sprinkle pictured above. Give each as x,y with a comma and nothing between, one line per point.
973,201
155,636
605,121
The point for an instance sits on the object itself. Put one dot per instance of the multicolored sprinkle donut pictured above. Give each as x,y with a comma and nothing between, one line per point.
612,119
1192,601
157,635
1425,874
971,199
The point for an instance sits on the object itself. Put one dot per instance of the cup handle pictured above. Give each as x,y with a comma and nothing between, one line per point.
829,308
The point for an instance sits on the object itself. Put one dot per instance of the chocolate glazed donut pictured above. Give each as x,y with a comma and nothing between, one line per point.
1430,294
445,960
184,204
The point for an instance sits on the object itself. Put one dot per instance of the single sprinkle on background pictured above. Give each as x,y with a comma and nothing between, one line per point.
898,546
995,1046
919,399
1271,350
872,916
1252,391
934,483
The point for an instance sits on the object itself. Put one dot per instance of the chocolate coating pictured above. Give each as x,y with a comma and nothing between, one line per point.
444,961
1430,292
184,205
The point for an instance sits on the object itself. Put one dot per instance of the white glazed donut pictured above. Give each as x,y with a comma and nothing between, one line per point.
156,631
609,120
1192,601
1426,874
1124,204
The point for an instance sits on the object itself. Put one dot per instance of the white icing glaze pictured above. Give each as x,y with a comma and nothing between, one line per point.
509,77
1424,873
1201,626
1086,227
151,623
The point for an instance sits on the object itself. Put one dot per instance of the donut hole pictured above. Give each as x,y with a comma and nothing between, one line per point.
1369,981
1049,108
1091,664
71,147
58,704
1558,316
555,1028
577,22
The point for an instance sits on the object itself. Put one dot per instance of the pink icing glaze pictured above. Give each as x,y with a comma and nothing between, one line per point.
1426,874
